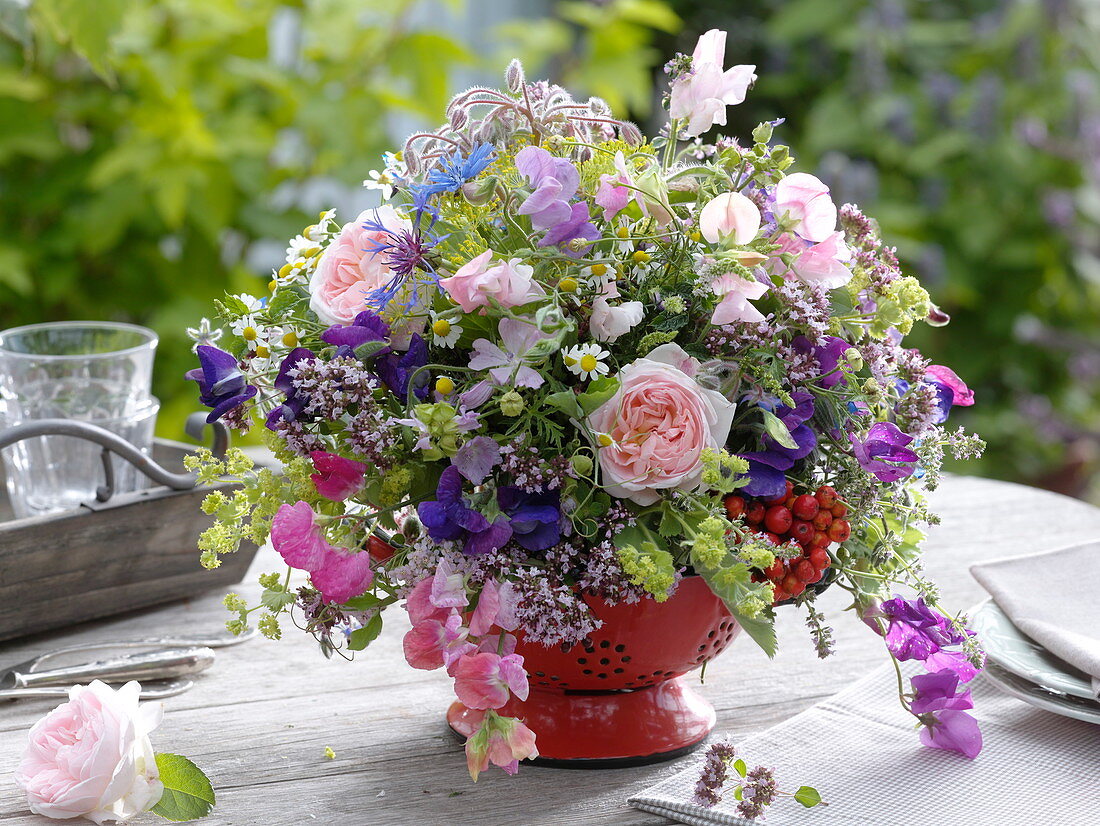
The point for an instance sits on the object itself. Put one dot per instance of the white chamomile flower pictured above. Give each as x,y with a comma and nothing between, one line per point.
248,328
301,247
586,360
600,274
445,333
382,181
251,303
282,338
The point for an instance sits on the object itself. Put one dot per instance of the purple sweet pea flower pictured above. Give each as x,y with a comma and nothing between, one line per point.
555,181
292,407
477,458
766,467
883,452
396,369
366,327
534,517
449,518
953,731
576,225
221,382
957,662
939,692
916,632
827,355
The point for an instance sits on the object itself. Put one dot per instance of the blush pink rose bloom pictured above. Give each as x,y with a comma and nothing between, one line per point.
337,573
730,216
509,283
348,271
609,321
91,756
658,422
805,201
336,478
703,95
736,293
484,679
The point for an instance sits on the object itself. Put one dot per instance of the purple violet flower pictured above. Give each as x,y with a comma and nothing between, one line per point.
366,327
449,518
534,517
294,403
396,369
221,382
883,452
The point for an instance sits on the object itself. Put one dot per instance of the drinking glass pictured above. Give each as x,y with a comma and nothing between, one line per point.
47,474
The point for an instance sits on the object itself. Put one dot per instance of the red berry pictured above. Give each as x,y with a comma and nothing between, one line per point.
778,519
818,574
805,507
819,558
771,537
821,539
826,496
778,594
754,515
776,570
840,530
789,501
823,519
802,532
804,570
735,506
839,510
793,585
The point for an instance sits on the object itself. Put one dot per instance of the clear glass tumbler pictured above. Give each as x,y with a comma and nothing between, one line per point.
48,474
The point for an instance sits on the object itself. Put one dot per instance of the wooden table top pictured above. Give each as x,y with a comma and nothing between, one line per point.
259,721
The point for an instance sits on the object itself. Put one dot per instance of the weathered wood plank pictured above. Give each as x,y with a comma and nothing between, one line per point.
260,719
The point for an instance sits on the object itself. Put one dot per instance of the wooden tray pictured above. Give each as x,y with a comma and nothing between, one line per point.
136,550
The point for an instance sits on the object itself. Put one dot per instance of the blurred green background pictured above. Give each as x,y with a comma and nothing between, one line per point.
157,153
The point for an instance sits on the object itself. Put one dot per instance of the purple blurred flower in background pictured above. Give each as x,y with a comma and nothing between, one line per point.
883,452
221,382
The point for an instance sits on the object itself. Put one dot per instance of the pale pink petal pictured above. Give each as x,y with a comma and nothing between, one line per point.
485,614
448,586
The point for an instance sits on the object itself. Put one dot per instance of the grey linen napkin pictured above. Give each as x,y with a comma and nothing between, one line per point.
859,749
1054,598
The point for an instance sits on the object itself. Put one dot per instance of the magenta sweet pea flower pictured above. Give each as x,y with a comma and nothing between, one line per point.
939,692
343,575
336,478
883,452
337,573
485,680
953,731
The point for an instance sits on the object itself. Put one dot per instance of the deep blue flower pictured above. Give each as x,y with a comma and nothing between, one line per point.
292,407
221,383
396,369
534,517
450,173
767,478
449,518
366,327
404,251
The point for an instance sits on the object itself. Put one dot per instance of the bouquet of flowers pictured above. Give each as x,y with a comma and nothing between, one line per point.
564,360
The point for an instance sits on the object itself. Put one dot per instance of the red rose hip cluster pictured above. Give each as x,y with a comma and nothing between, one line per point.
813,521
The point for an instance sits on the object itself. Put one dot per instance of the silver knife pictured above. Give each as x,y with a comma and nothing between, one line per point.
158,664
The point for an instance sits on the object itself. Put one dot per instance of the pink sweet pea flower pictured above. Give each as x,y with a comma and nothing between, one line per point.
964,396
509,283
647,190
298,538
703,95
506,365
484,680
343,575
736,293
485,615
824,263
503,740
805,202
429,642
448,586
729,217
336,478
608,322
419,604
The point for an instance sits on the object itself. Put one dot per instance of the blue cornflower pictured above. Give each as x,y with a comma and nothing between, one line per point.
453,171
404,252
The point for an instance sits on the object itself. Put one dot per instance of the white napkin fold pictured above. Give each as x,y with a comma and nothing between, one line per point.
860,751
1054,598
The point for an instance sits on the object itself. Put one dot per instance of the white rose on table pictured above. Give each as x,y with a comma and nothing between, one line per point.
91,756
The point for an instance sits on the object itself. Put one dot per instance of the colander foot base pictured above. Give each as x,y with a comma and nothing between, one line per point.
606,730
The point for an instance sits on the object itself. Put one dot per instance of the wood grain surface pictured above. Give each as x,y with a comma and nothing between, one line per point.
259,721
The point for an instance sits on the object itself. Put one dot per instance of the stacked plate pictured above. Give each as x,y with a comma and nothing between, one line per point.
1021,667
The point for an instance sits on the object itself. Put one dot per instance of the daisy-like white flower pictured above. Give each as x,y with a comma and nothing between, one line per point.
300,247
204,334
251,303
445,333
586,360
249,329
382,181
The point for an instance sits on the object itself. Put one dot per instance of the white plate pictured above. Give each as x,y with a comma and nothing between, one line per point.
1018,654
1018,687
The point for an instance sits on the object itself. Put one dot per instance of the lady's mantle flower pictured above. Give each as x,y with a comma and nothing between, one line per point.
221,383
445,333
883,452
507,365
703,94
586,360
450,173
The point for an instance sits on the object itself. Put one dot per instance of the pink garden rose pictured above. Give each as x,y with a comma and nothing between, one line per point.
658,423
509,283
730,216
91,756
349,271
736,293
608,321
703,95
805,201
336,478
337,573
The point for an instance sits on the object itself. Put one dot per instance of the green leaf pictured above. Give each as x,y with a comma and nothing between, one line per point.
738,793
368,602
777,430
740,767
761,629
807,796
86,27
597,393
362,637
275,600
188,794
370,348
566,402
